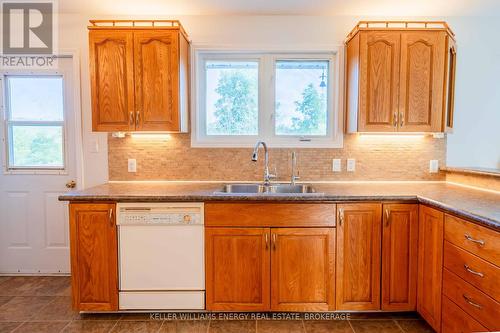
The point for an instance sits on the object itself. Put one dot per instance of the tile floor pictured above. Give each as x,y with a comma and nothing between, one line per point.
43,305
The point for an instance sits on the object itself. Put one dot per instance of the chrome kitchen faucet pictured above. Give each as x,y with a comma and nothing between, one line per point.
255,156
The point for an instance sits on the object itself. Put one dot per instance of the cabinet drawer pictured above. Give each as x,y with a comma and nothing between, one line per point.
476,303
476,271
269,215
455,320
481,241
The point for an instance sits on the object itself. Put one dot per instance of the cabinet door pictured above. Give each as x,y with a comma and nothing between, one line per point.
156,57
430,265
237,268
358,256
379,79
399,257
94,257
422,81
112,81
451,66
303,269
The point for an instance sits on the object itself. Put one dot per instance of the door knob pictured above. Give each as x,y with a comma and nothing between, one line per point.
71,184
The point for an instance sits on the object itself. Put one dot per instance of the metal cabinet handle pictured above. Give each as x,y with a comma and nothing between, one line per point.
341,216
468,269
137,115
471,302
274,241
387,217
401,119
110,217
131,118
267,241
477,241
395,120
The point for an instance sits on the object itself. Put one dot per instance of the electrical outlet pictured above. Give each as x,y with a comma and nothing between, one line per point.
351,165
337,165
132,165
433,166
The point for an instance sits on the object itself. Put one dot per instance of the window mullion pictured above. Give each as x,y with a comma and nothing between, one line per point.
266,111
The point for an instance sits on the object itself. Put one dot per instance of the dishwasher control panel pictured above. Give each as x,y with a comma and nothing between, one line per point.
160,214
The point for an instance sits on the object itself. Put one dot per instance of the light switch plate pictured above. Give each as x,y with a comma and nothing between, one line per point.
351,165
337,165
433,166
132,165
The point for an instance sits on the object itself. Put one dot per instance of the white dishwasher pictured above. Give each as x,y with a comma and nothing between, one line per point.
161,256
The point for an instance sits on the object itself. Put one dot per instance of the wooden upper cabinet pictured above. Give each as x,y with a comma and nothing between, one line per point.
430,265
156,56
379,80
399,257
358,256
139,78
422,76
94,257
400,78
451,65
112,81
237,269
303,269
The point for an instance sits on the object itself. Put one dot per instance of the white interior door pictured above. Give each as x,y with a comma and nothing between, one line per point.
39,144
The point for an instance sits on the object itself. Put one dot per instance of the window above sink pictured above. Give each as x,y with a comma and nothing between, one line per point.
288,99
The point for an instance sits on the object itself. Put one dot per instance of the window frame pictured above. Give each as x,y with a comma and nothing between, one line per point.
8,125
266,104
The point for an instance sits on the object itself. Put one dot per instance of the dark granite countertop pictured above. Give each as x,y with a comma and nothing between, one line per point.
482,207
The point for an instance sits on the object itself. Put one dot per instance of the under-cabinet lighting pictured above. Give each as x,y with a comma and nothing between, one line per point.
119,135
150,136
390,136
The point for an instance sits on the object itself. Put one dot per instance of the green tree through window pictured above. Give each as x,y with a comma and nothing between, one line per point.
236,106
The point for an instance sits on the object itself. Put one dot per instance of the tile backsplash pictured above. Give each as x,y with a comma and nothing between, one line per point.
377,158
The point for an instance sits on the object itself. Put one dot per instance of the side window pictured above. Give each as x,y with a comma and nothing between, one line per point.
34,121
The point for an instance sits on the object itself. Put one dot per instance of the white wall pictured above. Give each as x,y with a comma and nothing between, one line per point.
476,138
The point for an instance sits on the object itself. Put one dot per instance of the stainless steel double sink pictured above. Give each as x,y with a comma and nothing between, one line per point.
271,189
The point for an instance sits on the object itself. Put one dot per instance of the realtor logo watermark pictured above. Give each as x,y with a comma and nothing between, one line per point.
29,34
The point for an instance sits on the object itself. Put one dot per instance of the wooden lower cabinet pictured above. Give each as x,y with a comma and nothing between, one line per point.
94,257
303,269
399,257
262,269
430,265
358,256
237,262
455,320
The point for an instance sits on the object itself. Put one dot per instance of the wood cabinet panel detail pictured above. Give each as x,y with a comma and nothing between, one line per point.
94,257
270,214
139,79
421,92
430,265
302,269
457,320
112,82
400,79
358,256
379,62
156,57
473,301
399,257
237,269
476,239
